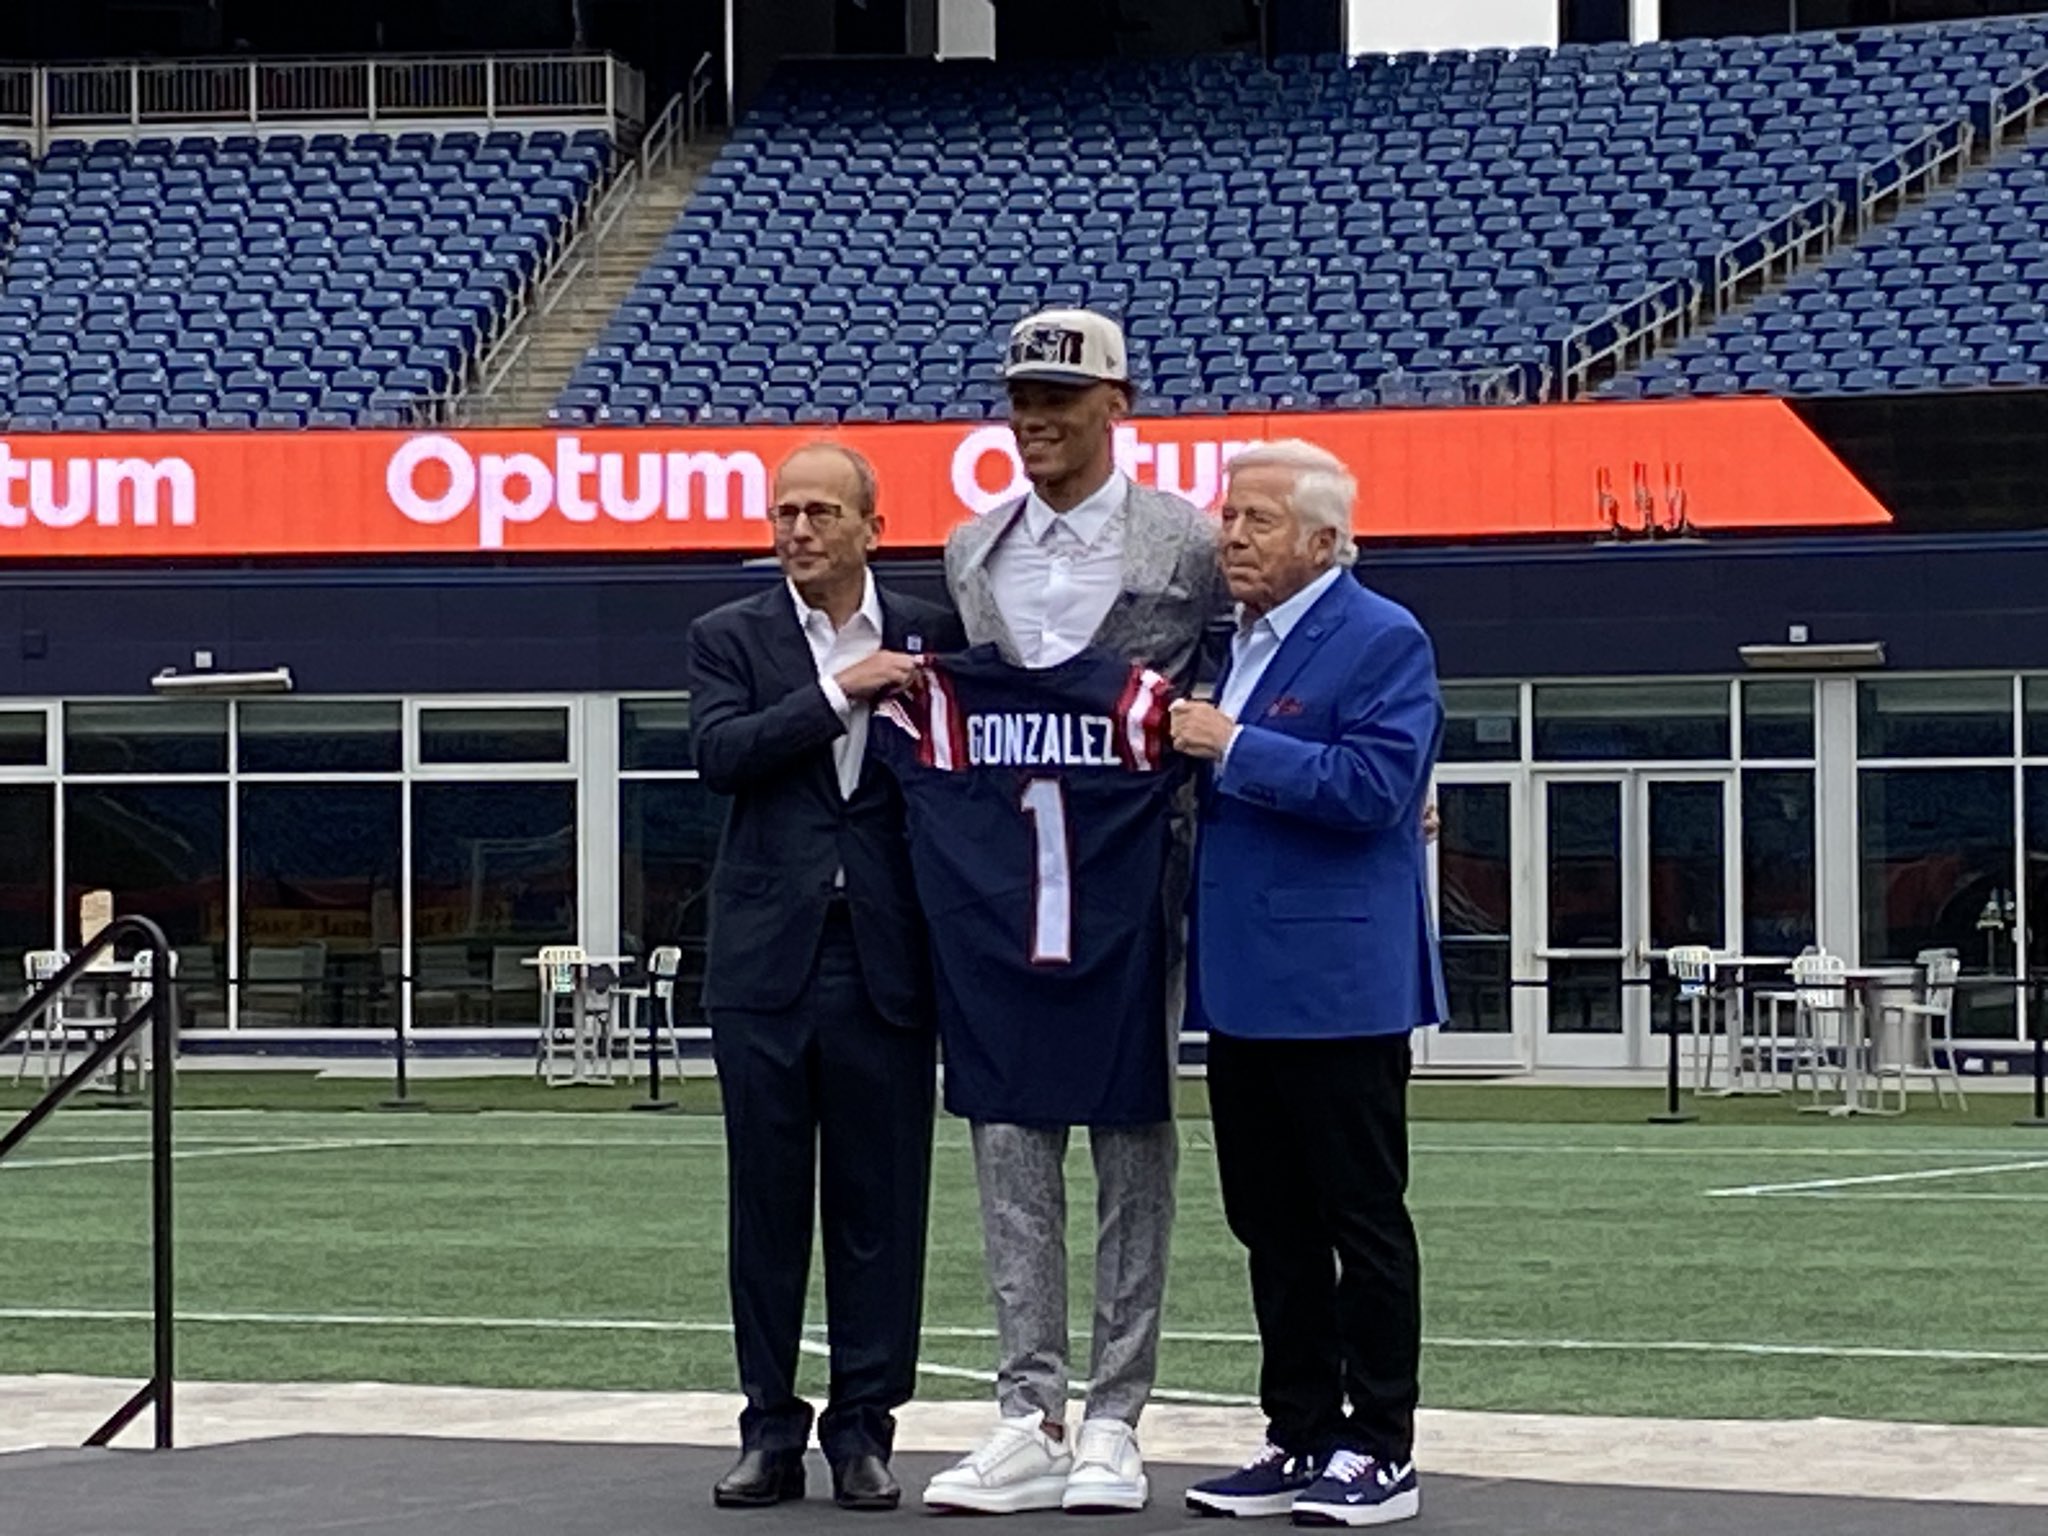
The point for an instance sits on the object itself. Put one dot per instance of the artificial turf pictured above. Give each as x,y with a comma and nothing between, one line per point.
1575,1260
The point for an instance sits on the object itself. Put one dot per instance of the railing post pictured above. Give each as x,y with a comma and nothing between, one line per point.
491,88
135,96
255,107
163,1045
370,91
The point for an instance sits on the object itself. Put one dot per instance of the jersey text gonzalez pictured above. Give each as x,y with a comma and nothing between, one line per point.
1030,740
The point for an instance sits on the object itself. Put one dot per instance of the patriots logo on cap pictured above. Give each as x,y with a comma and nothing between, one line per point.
1053,345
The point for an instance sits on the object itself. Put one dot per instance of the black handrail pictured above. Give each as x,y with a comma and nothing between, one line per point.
159,1011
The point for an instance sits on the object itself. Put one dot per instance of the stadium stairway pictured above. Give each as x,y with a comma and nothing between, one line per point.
531,366
1680,351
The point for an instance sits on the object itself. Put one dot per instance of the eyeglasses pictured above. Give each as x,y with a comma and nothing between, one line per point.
823,515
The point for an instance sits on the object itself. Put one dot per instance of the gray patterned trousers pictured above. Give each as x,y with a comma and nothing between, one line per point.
1021,1172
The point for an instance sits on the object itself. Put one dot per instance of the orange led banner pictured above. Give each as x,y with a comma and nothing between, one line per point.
1454,474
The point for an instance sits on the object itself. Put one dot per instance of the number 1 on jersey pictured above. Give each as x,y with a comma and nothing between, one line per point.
1052,883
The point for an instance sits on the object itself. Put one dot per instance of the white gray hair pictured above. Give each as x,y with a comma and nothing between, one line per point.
1324,492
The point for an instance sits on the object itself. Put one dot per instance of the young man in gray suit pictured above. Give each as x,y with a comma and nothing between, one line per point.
1086,559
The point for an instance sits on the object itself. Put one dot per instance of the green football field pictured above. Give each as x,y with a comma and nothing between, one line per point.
1577,1259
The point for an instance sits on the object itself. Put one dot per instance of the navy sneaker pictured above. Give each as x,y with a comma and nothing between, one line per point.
1265,1485
1359,1490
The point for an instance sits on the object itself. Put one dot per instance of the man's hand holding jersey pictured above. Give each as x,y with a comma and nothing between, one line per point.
876,676
1200,730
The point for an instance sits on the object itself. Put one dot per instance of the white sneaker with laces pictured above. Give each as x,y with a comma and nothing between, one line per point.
1018,1467
1108,1474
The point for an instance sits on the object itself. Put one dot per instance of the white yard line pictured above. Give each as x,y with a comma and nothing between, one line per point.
272,1149
1913,1176
463,1137
1982,1464
977,1333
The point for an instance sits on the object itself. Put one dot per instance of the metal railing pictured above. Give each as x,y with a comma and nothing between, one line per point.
158,1012
696,100
273,95
1935,158
506,360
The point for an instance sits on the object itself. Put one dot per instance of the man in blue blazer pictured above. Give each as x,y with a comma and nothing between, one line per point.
1312,956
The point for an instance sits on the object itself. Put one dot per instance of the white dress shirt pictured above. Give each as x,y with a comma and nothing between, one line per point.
1254,646
834,650
1055,574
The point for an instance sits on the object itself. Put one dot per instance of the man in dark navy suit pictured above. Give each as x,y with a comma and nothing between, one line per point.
818,983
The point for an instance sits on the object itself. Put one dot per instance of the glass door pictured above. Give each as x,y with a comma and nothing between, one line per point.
1479,874
1633,864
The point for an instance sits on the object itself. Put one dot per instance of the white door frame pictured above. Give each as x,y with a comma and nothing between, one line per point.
1633,1046
1513,1051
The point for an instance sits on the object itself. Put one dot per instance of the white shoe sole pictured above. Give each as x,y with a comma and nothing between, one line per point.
1106,1498
1044,1492
1402,1506
1242,1506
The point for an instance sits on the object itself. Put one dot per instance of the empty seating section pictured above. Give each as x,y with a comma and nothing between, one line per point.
1953,295
335,280
1331,233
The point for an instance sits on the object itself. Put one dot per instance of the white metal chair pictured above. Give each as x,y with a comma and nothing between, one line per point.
566,977
141,987
46,1040
657,990
1692,967
662,966
1825,1031
1911,1034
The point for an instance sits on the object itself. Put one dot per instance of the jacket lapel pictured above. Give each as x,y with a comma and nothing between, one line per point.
975,593
1150,556
789,656
1301,643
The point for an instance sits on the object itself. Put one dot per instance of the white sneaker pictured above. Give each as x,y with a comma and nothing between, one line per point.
1018,1467
1108,1474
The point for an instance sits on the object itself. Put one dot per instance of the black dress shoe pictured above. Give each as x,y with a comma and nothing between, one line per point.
759,1478
865,1482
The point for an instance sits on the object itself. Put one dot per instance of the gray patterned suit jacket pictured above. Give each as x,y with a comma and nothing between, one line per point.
1173,587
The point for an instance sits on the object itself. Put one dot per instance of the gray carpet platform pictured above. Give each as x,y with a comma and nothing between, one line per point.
339,1486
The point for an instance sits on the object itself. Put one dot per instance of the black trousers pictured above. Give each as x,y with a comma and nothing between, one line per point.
826,1101
1312,1152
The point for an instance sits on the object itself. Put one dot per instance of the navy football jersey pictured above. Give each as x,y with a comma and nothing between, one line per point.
1039,803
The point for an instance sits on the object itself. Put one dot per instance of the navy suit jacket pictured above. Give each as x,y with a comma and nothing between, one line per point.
764,733
1311,914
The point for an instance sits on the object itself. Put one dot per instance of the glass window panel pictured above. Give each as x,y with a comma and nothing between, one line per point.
492,734
1688,864
162,850
1777,861
1482,723
668,838
1585,997
1938,871
27,874
2037,883
319,736
1584,856
1475,902
148,736
1934,717
2035,697
493,879
1641,722
24,739
320,904
1777,719
655,733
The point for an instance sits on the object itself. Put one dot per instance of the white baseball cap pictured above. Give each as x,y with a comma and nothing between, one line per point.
1067,346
